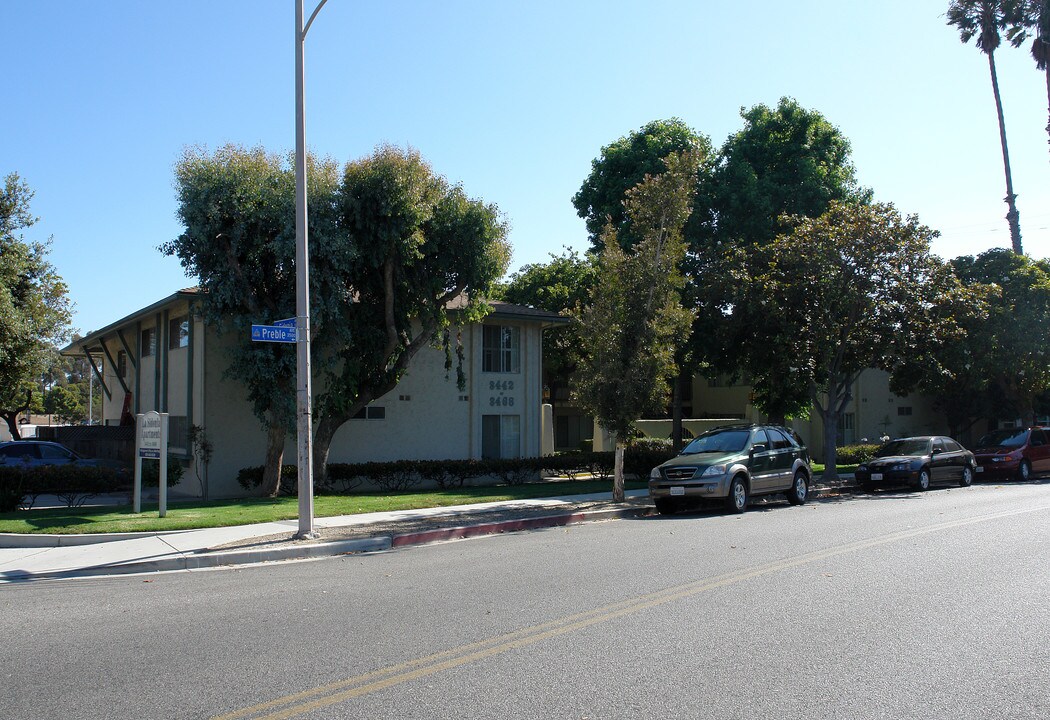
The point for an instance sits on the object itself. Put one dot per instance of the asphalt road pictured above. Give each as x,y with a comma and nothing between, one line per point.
900,605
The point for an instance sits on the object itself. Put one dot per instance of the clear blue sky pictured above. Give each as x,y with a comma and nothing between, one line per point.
513,100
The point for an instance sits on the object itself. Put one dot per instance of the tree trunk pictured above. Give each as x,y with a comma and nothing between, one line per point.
1047,72
1012,216
831,434
11,419
617,494
11,416
323,433
271,483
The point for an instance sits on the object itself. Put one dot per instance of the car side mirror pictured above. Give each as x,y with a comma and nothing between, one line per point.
759,447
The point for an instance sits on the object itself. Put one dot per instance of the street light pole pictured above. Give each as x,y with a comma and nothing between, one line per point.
304,397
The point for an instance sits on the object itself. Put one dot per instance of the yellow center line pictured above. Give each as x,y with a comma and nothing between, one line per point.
350,688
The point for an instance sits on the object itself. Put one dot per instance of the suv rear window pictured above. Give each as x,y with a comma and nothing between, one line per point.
19,450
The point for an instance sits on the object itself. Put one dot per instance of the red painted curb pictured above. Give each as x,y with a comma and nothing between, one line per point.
493,528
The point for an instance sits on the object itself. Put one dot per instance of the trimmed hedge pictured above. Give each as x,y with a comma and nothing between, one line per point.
401,475
855,454
75,484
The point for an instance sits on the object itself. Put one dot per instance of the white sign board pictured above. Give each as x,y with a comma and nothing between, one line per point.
149,435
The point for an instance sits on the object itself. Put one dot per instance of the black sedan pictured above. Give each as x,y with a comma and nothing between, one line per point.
918,462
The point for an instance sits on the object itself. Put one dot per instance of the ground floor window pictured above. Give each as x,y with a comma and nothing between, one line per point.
371,412
571,430
846,434
500,436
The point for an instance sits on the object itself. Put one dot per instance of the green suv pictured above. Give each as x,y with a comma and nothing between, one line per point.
731,464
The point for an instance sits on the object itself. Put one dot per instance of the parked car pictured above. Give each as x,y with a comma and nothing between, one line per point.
1016,453
37,453
731,464
919,462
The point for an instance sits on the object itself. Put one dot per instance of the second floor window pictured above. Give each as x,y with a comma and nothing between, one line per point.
122,363
149,342
501,349
178,332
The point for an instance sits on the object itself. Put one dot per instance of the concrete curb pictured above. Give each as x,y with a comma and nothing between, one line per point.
204,559
504,526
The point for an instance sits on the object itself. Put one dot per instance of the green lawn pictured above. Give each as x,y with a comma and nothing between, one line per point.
818,468
221,513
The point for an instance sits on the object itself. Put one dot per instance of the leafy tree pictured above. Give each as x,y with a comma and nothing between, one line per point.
238,209
622,166
410,245
563,286
34,309
786,162
848,291
635,320
1016,362
63,402
951,364
984,20
1031,18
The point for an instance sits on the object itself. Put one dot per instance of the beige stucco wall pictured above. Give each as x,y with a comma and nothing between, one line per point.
427,416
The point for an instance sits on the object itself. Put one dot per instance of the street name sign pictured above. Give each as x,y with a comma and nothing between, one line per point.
273,333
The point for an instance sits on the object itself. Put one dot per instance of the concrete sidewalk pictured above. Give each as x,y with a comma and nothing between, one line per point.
41,556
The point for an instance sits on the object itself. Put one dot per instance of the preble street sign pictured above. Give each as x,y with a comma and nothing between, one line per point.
273,333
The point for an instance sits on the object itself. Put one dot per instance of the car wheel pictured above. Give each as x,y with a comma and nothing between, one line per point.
967,477
799,492
665,506
1024,471
736,501
923,483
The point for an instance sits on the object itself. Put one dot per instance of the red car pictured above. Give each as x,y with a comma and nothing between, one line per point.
1014,453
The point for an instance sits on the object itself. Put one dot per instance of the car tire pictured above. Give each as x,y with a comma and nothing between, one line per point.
967,477
799,492
1024,471
736,500
922,483
665,506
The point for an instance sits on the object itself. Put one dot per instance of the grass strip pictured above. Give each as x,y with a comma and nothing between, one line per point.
195,514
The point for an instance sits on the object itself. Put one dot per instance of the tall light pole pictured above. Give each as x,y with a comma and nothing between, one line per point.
304,424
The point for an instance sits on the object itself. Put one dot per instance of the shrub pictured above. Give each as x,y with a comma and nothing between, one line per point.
151,472
641,456
449,474
251,477
855,454
74,484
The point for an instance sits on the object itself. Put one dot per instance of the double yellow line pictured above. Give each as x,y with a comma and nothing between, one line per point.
343,690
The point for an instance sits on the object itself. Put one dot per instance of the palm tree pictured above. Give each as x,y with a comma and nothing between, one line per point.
984,19
1032,18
